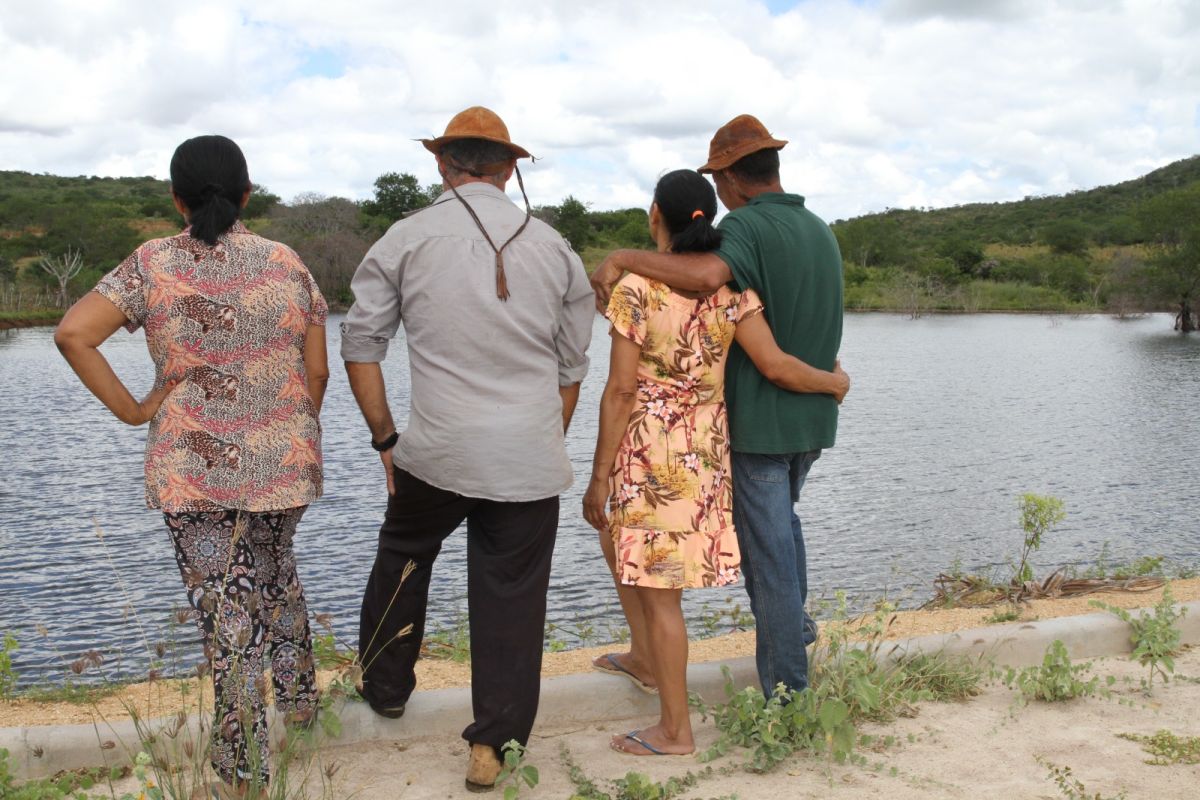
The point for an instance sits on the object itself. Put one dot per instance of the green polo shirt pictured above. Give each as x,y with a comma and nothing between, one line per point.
780,249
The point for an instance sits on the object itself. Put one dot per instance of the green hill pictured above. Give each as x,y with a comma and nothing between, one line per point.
1100,248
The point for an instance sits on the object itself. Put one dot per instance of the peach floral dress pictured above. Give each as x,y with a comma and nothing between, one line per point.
671,508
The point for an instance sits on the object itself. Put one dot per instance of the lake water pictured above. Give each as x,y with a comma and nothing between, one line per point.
949,420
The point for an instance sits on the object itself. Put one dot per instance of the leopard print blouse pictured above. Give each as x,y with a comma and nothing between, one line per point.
230,323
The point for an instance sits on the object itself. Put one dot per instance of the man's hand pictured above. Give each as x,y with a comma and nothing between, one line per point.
144,411
389,470
843,383
604,278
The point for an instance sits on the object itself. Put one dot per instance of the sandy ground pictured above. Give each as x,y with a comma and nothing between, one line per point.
987,747
161,698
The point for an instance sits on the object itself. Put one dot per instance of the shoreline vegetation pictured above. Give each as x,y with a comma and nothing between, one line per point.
1125,249
857,698
165,696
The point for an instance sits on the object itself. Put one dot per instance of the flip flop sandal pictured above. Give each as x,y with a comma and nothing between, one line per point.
615,668
650,749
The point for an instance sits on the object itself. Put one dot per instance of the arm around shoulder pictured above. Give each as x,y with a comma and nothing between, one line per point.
783,369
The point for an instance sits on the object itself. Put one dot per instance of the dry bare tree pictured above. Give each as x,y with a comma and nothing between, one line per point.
63,268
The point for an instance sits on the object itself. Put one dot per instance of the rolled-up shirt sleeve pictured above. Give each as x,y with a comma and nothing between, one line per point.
374,318
575,333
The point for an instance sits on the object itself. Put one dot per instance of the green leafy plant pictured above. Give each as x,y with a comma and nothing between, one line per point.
76,785
1069,786
852,680
1166,748
515,771
1056,679
1154,635
1039,513
8,678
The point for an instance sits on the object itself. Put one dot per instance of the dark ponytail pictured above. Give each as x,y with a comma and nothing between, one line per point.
687,203
208,173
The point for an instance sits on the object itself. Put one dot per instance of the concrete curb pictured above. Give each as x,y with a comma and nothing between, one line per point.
582,699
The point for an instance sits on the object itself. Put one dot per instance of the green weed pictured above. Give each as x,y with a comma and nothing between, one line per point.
1154,635
8,678
1003,614
1166,748
1069,786
1056,679
634,786
77,784
515,771
850,682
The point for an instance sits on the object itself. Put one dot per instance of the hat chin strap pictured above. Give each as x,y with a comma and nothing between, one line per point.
479,172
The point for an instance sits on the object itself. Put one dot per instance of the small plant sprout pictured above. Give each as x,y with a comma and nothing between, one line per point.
515,771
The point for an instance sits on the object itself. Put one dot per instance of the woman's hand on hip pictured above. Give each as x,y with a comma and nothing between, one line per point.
144,411
595,501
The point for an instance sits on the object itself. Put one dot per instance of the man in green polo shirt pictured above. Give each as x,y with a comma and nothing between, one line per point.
788,255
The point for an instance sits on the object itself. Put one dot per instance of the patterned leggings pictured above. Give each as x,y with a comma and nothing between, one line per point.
240,574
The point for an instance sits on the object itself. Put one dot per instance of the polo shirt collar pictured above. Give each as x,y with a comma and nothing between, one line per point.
475,189
781,198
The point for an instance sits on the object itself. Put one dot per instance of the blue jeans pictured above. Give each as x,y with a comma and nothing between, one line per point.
765,490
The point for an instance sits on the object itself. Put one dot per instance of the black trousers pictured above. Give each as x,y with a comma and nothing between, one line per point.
509,549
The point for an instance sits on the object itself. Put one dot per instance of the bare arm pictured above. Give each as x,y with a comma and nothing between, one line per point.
785,370
616,405
693,272
570,398
366,382
85,327
316,364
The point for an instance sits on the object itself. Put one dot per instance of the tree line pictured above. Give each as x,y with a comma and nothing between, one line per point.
1125,248
58,235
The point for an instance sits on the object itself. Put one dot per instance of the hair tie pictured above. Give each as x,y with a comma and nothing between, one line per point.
212,190
697,213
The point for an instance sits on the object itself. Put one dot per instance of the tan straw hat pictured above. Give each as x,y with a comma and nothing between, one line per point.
476,122
739,137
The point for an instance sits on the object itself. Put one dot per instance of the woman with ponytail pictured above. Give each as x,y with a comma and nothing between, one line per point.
235,326
660,492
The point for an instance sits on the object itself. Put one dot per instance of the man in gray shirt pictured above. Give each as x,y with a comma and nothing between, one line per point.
497,314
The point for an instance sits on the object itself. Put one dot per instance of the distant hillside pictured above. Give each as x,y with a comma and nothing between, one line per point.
1121,248
1108,212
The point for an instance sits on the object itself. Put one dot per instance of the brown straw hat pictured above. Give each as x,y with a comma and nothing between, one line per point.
476,122
739,137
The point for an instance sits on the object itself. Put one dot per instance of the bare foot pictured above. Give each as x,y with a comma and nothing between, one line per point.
653,741
624,664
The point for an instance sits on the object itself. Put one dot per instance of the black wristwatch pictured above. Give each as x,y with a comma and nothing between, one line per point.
386,444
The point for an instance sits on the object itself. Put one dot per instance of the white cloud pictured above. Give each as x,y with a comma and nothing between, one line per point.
904,103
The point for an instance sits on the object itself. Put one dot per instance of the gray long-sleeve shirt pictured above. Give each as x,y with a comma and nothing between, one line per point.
486,415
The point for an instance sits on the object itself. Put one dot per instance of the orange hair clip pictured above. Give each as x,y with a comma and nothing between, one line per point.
697,213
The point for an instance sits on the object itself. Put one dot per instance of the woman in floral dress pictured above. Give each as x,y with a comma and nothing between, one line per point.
235,326
660,491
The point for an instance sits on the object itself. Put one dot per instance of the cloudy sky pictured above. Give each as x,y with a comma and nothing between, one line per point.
886,103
